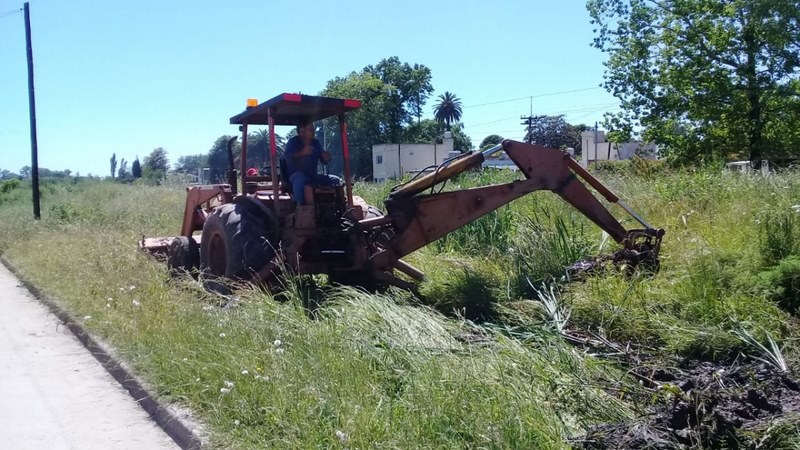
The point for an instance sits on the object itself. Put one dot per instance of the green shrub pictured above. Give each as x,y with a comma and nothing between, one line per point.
636,166
781,284
65,212
778,236
9,185
647,168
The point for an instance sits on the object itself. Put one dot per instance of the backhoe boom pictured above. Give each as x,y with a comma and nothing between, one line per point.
419,219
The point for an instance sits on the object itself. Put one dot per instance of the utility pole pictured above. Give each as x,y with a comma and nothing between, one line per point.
32,108
528,121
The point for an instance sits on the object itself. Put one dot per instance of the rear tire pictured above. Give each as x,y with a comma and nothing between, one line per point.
236,242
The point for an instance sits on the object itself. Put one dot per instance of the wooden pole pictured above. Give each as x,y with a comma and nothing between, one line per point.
32,108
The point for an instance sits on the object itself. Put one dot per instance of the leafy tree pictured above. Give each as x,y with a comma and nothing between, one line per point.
704,78
25,172
554,132
366,126
218,158
157,160
392,95
47,173
190,163
122,173
419,89
258,148
490,141
136,168
431,131
461,141
408,88
155,165
7,175
427,131
448,110
113,162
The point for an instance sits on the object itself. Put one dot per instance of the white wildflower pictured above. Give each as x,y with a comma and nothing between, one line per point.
277,342
228,384
236,422
224,391
131,287
342,436
222,335
87,317
185,359
197,380
245,372
136,303
279,351
108,305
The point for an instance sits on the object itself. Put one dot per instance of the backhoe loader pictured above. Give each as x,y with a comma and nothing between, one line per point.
254,234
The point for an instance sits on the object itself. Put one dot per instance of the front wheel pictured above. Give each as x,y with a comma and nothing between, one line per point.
183,255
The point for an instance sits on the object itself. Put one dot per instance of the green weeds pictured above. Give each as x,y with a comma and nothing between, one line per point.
476,362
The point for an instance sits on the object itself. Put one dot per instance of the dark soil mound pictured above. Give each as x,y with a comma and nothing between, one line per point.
707,406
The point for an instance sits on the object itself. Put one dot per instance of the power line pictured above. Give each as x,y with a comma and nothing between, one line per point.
586,110
533,96
10,13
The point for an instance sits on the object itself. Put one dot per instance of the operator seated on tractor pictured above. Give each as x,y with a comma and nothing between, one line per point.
302,154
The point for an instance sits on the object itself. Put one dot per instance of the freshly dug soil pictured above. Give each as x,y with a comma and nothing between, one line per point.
706,406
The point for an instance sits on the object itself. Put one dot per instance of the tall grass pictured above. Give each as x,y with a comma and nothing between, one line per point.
328,366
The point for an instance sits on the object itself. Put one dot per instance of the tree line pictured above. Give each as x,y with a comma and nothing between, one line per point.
393,95
153,169
704,79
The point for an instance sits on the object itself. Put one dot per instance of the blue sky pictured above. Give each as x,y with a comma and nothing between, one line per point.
127,77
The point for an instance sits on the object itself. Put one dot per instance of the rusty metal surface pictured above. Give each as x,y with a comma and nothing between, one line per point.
195,197
440,175
159,245
420,219
554,169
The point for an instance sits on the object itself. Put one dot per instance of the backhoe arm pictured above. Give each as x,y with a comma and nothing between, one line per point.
419,219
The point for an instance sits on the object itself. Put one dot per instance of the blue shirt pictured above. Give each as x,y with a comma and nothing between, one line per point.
305,164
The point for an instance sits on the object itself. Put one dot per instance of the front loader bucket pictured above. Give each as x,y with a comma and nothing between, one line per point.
158,246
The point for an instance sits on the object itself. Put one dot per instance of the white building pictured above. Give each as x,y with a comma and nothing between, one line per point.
395,160
594,147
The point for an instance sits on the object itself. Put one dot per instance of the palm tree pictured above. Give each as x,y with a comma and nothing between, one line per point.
448,110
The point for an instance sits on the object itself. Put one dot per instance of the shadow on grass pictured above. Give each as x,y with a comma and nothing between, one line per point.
466,293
